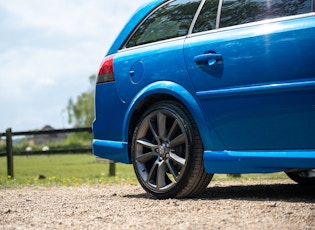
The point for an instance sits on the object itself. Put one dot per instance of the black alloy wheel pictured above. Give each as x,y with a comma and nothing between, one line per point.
167,152
303,177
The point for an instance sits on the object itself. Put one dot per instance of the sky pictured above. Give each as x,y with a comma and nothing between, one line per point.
48,50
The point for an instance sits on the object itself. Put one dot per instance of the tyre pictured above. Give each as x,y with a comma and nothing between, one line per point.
303,177
167,152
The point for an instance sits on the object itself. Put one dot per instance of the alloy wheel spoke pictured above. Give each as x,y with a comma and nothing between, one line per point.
154,130
143,158
160,176
161,122
152,173
172,129
172,170
179,160
180,139
146,143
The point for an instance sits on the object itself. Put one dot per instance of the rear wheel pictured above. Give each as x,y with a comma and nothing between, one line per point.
303,177
167,153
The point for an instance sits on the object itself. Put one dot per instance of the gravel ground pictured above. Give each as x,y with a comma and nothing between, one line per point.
224,205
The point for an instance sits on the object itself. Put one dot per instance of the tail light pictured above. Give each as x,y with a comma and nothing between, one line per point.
106,72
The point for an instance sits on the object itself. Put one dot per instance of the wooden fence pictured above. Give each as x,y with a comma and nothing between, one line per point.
10,151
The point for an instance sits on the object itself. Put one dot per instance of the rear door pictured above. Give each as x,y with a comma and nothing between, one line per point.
255,79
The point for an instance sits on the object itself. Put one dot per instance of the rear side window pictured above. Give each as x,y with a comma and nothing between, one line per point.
236,12
169,21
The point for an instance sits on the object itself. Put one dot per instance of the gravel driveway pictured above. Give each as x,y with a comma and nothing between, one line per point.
224,205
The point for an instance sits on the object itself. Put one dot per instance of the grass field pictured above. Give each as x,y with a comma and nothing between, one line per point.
65,169
79,169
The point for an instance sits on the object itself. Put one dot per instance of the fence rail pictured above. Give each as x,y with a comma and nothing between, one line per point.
10,153
40,132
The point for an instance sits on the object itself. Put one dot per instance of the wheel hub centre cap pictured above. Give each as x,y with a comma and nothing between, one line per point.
163,151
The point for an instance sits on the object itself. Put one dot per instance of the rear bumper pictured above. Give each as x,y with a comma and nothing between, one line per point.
111,150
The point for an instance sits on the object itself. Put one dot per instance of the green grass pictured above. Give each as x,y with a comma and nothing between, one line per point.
73,169
80,169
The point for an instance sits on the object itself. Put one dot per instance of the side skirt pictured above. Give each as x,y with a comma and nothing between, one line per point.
258,161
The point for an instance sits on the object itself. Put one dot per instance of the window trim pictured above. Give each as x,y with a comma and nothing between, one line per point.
192,25
217,23
141,22
250,24
202,2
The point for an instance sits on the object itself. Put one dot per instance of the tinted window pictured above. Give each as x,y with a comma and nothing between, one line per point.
169,21
235,12
207,17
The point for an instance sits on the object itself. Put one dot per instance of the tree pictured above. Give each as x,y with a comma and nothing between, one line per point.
81,111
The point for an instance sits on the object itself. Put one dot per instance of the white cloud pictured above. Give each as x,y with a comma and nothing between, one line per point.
47,51
67,17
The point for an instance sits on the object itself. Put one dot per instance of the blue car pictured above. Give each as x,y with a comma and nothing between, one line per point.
191,88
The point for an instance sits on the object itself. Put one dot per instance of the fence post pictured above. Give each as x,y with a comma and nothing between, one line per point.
112,168
9,153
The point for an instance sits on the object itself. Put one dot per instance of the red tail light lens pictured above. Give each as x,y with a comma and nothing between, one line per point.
106,72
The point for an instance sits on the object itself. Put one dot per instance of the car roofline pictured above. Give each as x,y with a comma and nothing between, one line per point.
135,19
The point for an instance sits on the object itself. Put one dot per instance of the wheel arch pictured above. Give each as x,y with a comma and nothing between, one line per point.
162,91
